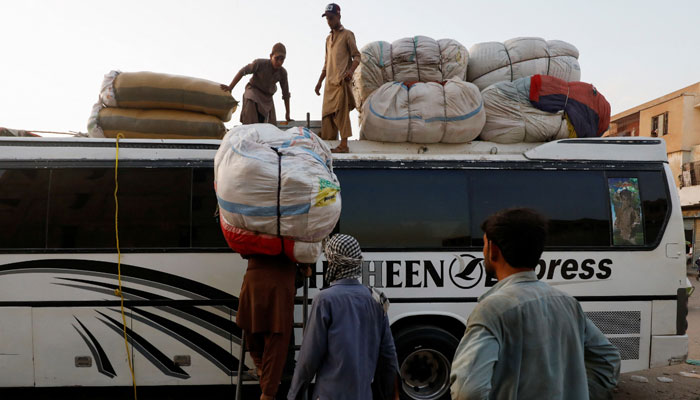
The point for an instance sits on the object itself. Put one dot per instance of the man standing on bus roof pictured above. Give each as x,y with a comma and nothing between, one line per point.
342,58
525,339
258,106
347,343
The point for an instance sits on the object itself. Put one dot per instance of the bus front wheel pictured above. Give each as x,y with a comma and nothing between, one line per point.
425,354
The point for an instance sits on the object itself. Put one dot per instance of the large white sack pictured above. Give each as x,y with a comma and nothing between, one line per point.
510,118
493,62
247,168
426,104
386,114
425,112
414,59
374,70
454,59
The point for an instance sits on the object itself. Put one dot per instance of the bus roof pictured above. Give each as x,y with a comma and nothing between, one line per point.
594,149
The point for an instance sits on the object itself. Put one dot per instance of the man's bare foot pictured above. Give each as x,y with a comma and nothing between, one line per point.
341,149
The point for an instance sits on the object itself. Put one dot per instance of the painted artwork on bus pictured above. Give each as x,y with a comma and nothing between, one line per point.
626,208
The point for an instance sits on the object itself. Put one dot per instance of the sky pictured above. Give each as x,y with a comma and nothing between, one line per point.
54,54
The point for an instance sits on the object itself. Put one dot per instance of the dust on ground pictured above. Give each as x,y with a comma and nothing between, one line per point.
682,388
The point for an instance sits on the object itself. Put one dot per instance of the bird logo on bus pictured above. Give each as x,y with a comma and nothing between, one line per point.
466,271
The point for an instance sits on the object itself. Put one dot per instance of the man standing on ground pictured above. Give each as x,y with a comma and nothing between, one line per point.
525,339
342,57
347,343
258,106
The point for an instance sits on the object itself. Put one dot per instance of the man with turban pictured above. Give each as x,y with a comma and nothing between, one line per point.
347,343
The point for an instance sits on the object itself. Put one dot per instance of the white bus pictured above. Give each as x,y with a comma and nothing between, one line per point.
616,244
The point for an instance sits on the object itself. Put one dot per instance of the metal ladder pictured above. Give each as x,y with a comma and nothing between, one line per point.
246,377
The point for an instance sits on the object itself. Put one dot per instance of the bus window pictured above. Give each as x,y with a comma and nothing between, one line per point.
154,208
81,208
23,198
574,201
206,231
655,204
648,197
405,208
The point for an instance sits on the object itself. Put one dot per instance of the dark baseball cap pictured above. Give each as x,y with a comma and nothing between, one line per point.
331,8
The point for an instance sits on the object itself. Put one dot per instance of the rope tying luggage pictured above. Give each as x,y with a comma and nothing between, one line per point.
279,193
119,292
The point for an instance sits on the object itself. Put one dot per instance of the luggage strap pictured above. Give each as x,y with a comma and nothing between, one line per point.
510,62
279,191
568,92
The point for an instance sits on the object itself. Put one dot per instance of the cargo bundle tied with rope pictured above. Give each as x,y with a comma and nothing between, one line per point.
276,190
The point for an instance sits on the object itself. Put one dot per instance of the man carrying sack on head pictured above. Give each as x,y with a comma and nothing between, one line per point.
266,316
342,58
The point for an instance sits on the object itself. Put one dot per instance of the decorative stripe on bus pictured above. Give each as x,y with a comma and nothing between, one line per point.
396,300
170,282
98,353
401,300
217,355
221,326
148,350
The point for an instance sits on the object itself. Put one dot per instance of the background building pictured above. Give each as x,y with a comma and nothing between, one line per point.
674,117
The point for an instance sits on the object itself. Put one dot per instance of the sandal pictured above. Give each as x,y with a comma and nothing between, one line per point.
340,150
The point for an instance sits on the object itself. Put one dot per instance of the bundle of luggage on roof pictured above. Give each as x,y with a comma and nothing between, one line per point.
422,90
415,90
154,105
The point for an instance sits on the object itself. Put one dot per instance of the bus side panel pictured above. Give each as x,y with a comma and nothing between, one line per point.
178,336
16,358
628,326
55,333
66,337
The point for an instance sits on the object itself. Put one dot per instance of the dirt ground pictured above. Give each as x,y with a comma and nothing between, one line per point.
682,388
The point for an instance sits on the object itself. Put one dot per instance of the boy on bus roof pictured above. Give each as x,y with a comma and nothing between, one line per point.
525,339
258,106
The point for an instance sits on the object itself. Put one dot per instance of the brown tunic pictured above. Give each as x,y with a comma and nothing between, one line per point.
257,97
266,302
341,49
